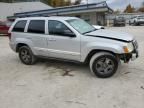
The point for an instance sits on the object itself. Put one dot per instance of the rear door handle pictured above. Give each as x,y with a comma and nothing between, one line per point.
51,39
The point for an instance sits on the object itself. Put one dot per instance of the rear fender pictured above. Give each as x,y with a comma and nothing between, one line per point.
28,42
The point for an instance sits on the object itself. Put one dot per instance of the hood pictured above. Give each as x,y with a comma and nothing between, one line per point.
109,34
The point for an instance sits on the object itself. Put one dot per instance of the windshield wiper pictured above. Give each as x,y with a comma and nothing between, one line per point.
89,31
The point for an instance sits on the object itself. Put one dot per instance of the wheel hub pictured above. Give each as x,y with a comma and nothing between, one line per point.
25,55
105,65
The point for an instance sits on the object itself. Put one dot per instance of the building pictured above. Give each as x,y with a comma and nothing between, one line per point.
8,9
92,13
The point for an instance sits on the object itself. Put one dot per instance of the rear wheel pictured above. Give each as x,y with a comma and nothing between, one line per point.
103,64
26,55
135,23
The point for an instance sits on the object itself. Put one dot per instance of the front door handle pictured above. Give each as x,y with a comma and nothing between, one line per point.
28,38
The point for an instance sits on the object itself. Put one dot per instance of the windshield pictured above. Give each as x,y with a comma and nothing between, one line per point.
81,26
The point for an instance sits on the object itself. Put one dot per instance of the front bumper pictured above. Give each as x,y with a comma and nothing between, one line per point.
119,23
131,56
135,55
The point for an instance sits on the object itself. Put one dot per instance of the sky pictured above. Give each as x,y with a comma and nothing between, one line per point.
118,4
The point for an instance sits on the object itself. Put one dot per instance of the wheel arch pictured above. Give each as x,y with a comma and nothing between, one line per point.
20,45
94,51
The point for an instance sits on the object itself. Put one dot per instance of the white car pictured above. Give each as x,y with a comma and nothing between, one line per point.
136,20
70,38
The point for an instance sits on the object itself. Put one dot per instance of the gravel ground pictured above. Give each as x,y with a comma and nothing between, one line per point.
45,85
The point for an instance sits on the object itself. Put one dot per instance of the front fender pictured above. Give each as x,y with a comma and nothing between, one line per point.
115,48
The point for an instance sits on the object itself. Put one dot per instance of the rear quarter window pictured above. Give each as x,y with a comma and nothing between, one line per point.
19,26
36,26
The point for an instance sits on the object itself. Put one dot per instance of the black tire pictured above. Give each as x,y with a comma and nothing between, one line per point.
26,56
138,24
129,23
109,68
135,23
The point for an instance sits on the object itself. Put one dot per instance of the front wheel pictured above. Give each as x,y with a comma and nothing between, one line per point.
103,64
135,23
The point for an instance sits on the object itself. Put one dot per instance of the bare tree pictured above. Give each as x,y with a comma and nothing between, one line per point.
141,9
129,9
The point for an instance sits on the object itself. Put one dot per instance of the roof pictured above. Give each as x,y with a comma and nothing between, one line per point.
95,7
8,9
49,18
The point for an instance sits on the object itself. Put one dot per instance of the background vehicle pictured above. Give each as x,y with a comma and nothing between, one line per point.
119,21
137,20
73,39
4,27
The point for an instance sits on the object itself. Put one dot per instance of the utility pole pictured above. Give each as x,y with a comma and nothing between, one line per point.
87,3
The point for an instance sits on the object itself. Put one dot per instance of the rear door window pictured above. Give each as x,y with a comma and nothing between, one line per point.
36,26
19,26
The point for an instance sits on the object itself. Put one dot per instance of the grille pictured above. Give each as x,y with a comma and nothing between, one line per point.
135,44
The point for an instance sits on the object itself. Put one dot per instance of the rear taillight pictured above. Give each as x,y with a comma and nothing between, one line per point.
9,35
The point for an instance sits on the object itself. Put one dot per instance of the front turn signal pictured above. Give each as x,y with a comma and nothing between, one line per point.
126,49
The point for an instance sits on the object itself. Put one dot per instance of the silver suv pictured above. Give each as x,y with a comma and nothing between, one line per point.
73,39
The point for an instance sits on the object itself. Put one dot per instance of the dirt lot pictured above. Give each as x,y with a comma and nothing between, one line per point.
45,86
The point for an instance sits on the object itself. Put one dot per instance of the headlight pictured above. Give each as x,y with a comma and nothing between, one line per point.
129,48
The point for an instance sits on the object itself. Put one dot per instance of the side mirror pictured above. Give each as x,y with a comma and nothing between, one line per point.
69,33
